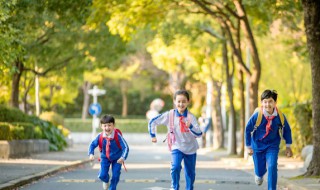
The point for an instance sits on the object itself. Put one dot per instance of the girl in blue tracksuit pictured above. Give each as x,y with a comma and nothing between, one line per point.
184,128
263,141
114,151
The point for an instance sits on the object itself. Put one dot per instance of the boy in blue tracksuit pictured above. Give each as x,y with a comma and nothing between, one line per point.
114,151
183,127
263,141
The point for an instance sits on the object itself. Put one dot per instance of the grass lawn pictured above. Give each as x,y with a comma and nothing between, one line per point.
125,125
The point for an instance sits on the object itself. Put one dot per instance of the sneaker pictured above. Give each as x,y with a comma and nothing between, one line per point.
258,180
105,185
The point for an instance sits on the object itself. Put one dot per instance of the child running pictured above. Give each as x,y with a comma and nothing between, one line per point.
183,128
263,138
114,151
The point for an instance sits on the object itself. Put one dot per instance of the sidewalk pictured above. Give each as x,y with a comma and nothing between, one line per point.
17,172
288,170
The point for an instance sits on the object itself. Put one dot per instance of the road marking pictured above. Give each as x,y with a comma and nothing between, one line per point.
156,188
204,181
78,181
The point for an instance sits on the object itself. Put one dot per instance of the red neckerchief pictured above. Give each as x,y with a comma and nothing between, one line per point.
108,147
268,126
183,127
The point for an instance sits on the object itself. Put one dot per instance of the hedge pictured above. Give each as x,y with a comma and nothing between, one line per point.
16,125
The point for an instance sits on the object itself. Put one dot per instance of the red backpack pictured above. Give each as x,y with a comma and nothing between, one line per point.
116,138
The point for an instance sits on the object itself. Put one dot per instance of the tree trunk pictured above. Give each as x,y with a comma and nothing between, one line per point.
218,131
28,84
256,70
124,98
14,101
312,27
242,112
86,99
232,139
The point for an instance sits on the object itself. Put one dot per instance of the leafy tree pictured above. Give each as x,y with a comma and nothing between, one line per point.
40,27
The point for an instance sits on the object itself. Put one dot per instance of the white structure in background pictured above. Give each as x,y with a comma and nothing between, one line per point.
155,108
95,108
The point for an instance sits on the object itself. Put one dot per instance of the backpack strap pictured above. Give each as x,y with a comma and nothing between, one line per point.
281,116
100,142
171,120
258,121
116,138
170,136
117,132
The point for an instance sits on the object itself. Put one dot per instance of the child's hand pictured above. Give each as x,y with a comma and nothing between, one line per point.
250,151
289,152
91,157
120,160
154,139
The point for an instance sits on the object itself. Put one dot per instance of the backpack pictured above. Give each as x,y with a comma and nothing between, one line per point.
116,138
259,119
170,135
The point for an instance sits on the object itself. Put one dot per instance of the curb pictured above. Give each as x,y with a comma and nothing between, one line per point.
30,178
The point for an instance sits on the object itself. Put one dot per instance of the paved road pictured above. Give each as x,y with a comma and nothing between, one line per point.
149,168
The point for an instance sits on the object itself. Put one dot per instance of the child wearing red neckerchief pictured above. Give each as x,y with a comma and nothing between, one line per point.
263,141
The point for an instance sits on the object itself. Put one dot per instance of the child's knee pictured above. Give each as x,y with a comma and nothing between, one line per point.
176,167
104,177
273,167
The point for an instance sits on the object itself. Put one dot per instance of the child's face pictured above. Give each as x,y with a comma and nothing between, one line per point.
181,102
268,104
107,128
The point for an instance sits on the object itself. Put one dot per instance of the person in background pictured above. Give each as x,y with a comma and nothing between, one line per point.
205,124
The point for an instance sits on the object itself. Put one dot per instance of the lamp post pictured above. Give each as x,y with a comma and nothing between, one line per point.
95,108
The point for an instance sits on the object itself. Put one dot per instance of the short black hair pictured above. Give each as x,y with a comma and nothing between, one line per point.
182,92
269,94
107,119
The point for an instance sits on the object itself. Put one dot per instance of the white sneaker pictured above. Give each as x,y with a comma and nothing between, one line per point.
105,185
258,180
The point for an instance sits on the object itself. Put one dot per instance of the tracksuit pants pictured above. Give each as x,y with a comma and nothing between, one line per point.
189,169
267,161
104,173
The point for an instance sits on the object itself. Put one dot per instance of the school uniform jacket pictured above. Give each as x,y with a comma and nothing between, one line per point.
185,141
115,151
272,140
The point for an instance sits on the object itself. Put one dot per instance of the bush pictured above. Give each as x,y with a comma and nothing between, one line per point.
38,133
28,129
125,125
12,115
53,117
17,132
54,135
299,118
16,125
4,131
64,130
